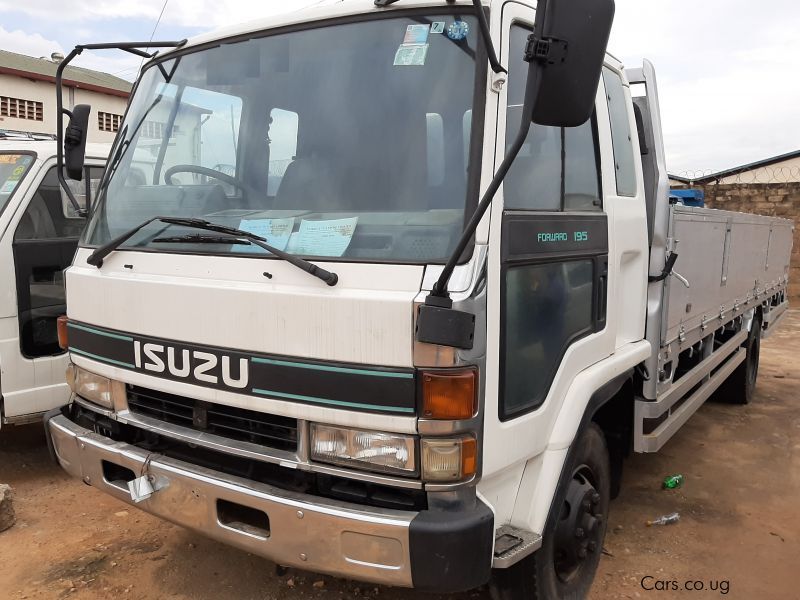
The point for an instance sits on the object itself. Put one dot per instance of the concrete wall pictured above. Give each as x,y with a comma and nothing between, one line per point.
773,199
38,91
45,92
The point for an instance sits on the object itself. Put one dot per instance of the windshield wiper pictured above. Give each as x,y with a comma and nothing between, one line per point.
96,258
199,238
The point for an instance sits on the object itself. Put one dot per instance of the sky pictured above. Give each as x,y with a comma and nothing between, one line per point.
728,70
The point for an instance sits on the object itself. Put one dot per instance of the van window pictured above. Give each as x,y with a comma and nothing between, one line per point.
620,133
557,168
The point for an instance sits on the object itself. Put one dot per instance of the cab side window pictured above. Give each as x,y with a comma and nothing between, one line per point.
557,168
620,133
44,243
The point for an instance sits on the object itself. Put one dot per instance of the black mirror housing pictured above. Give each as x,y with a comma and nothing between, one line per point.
75,141
567,49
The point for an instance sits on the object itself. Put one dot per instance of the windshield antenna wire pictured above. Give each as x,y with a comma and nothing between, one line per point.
155,27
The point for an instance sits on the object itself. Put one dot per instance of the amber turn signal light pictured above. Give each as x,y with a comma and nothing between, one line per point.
449,395
63,341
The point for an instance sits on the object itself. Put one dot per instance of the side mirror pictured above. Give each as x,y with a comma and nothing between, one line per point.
75,141
566,53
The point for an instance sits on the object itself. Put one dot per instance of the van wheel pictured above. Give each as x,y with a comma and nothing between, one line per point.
740,387
564,567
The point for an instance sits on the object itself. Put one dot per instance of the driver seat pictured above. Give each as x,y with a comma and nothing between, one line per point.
309,183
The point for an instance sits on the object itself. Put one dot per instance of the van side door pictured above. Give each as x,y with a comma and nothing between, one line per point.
45,238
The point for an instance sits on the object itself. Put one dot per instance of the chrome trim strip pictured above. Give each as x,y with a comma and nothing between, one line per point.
91,406
434,427
210,440
306,532
449,487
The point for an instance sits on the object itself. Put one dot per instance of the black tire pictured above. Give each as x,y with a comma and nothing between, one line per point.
740,387
557,571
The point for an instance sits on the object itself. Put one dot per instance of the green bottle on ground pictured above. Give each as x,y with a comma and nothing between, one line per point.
672,482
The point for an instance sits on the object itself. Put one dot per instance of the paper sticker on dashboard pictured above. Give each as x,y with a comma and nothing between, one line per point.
275,231
323,238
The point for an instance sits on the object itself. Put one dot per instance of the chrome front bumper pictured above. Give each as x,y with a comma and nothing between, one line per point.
307,532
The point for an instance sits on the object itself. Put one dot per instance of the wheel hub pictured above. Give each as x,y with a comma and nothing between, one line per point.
579,528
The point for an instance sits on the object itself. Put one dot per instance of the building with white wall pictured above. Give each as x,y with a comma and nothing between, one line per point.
28,95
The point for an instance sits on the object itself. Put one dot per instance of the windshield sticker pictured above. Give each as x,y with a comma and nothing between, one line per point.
458,30
323,238
9,159
411,55
275,231
437,27
416,34
8,187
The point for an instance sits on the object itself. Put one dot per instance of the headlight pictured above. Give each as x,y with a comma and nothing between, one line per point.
93,388
449,460
370,450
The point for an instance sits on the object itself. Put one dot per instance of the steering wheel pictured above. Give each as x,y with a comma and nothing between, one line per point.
201,171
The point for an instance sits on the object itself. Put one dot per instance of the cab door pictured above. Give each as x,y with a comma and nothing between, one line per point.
44,236
548,271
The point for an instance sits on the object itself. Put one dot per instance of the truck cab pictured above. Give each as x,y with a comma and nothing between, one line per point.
260,346
39,231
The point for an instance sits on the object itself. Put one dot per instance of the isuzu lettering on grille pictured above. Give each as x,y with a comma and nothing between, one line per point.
191,364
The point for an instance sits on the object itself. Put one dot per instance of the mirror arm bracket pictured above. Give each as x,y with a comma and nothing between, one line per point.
486,34
68,136
62,136
547,50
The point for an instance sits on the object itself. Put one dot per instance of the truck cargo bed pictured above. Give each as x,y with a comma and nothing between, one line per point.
729,266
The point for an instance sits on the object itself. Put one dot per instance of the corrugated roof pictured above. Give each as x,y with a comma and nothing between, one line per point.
44,67
749,167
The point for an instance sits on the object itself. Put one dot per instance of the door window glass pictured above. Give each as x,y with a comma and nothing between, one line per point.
547,307
557,168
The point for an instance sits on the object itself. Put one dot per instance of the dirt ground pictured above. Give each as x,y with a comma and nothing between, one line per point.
739,530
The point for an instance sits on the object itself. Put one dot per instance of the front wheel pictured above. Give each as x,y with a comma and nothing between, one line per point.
564,567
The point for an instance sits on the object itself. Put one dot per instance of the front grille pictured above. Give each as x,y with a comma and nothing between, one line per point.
226,421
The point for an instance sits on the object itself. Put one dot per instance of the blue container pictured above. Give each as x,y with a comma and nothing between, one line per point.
689,197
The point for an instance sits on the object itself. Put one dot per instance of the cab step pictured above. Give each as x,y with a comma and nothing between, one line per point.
512,544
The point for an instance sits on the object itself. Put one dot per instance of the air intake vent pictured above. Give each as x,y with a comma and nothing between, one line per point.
225,421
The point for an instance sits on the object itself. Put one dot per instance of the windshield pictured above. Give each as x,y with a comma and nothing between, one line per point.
349,141
13,168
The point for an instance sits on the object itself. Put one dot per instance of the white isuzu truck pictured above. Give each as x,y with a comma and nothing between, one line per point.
39,231
388,290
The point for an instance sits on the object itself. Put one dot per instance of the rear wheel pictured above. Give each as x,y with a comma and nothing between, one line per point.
740,387
564,567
